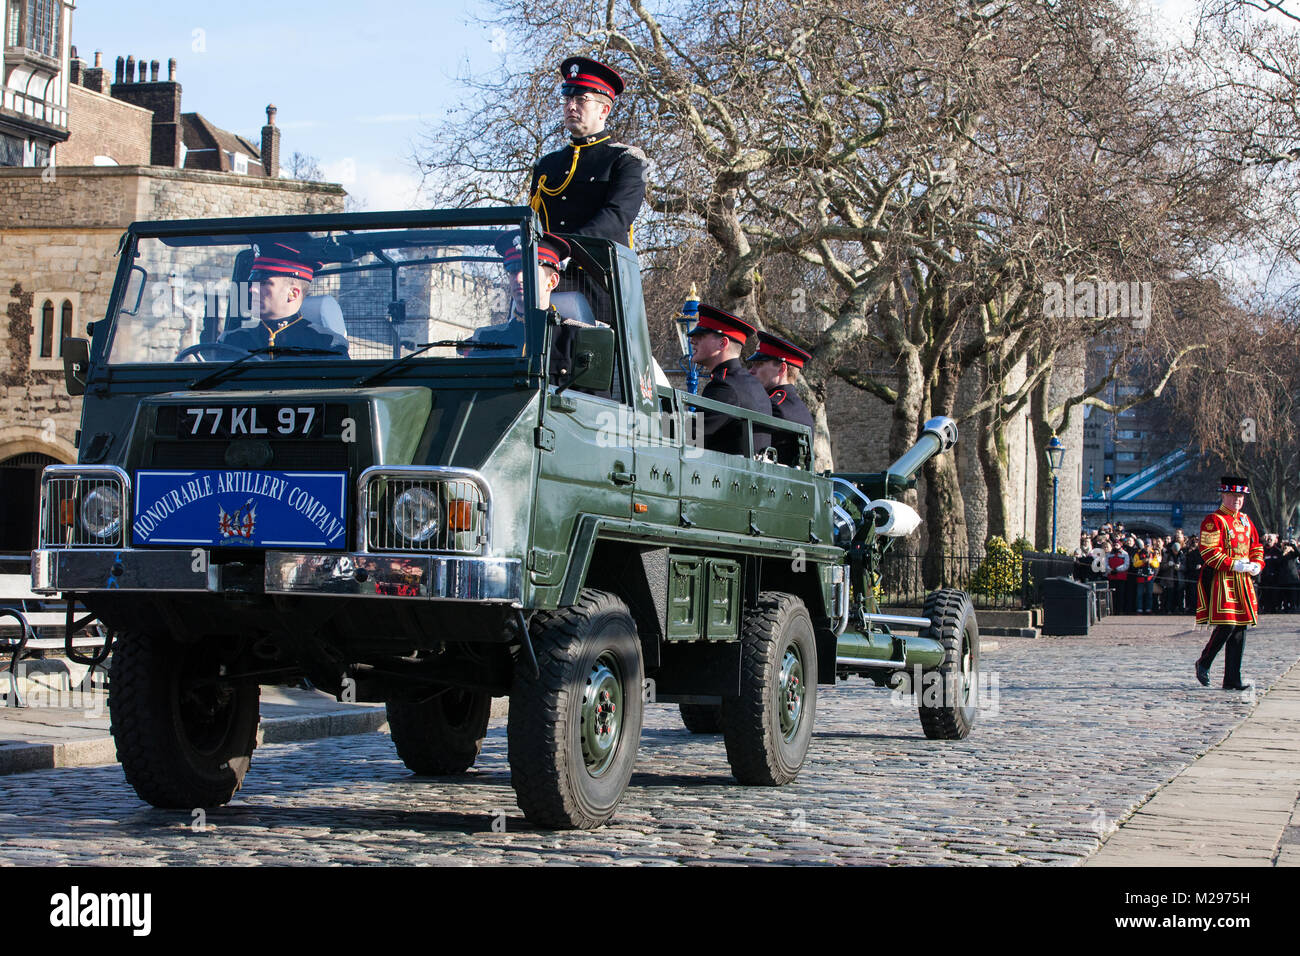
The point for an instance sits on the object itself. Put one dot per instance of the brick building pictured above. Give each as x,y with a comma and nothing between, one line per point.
94,156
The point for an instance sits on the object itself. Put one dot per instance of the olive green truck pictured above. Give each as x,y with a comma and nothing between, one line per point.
410,511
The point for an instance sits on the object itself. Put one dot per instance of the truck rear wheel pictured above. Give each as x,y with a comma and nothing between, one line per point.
947,695
574,730
185,737
441,735
768,727
702,718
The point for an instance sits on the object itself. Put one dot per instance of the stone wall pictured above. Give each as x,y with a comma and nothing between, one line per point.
99,125
115,196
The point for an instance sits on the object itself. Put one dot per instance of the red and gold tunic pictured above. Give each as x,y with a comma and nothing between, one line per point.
1225,596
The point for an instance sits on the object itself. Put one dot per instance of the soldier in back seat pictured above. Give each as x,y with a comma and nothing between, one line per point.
717,342
775,364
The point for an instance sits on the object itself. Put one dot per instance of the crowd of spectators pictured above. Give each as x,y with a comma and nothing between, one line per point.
1157,575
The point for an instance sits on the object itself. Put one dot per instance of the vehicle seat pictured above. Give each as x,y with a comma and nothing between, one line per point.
573,305
323,312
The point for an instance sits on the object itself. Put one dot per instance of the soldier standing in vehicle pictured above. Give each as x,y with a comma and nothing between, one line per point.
1225,598
775,364
593,186
717,341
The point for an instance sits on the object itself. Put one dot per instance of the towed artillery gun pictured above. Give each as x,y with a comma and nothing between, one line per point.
429,517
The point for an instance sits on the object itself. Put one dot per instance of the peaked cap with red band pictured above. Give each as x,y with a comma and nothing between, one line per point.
551,251
584,75
282,259
724,323
1232,485
774,347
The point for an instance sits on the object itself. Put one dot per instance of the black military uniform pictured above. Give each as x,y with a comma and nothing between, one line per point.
786,403
294,332
282,259
732,383
594,186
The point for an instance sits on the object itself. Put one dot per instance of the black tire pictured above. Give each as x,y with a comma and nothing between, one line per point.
950,690
185,741
571,753
764,747
442,735
702,718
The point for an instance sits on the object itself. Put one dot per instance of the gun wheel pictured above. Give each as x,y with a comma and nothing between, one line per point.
948,693
768,727
574,731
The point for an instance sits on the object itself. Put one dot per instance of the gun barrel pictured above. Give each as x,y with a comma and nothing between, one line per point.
937,435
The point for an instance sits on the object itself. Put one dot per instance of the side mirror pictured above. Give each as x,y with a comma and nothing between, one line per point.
593,359
76,364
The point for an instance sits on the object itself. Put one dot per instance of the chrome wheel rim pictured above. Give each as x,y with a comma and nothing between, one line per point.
602,714
790,691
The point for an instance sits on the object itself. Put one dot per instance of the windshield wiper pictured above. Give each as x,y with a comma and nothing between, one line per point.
424,347
225,370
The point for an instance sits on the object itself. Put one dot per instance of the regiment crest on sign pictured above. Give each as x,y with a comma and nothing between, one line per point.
240,523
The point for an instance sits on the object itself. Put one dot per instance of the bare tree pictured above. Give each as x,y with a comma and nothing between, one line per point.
305,167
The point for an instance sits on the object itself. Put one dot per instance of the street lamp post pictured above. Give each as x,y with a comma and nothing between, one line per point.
1055,455
686,320
1108,492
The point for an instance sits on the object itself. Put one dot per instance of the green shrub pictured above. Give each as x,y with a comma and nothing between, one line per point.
999,573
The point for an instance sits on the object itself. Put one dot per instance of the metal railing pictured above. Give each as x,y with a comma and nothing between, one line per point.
907,578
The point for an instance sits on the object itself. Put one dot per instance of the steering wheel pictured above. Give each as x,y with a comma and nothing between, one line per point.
218,352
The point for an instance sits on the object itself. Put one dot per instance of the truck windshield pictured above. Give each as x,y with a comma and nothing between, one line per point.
364,295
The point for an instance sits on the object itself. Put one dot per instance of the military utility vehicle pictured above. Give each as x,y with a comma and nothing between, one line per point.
425,515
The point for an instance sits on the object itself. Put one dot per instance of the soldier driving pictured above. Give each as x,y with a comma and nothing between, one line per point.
717,341
775,364
593,186
282,274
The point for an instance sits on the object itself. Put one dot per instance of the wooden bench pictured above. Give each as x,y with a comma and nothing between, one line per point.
25,627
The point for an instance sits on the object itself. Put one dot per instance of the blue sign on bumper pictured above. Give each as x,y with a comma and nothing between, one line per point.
263,509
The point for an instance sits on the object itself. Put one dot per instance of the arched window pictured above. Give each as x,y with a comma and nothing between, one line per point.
47,329
65,324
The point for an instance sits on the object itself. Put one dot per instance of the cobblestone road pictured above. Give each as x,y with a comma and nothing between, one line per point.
1078,732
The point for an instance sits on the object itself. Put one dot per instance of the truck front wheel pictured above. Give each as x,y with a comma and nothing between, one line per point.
768,727
441,735
184,736
574,730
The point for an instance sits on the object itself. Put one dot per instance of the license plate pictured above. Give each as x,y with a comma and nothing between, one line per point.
260,509
263,420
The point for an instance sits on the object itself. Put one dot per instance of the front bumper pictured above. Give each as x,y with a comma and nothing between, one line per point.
412,576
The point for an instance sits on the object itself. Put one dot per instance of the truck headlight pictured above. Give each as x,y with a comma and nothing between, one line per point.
101,511
415,514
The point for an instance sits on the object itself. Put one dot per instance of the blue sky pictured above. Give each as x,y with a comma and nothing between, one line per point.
354,82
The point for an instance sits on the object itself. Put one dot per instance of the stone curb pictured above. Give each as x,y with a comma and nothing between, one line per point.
98,751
